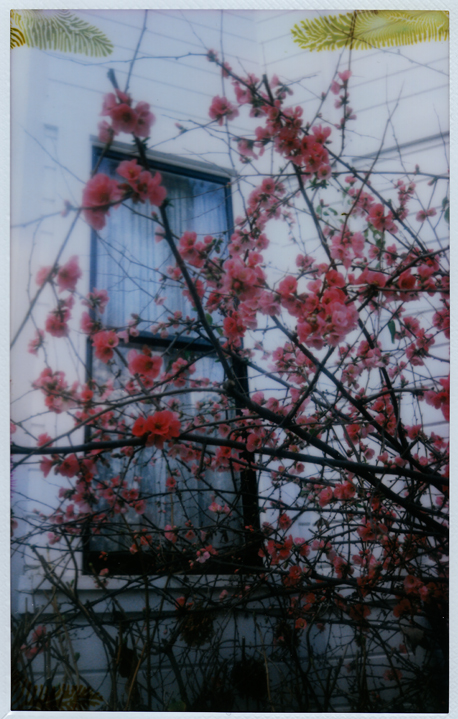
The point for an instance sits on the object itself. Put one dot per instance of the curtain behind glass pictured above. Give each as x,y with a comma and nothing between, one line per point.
129,260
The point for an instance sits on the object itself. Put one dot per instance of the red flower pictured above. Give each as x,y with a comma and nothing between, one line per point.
104,342
294,576
69,467
144,363
284,521
325,496
171,484
158,428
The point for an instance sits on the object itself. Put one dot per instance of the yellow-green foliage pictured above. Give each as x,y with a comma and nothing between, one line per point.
365,29
57,30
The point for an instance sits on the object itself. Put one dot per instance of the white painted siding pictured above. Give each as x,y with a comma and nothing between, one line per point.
56,103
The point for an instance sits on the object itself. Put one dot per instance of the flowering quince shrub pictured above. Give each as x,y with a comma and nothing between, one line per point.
336,435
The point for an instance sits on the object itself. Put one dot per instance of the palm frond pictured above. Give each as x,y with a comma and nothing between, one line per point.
17,37
59,30
368,29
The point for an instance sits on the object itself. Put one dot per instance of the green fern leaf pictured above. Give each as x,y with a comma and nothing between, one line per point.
60,30
368,29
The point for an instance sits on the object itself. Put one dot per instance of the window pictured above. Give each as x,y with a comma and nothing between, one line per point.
173,492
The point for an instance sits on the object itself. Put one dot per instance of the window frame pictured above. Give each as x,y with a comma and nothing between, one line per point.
123,563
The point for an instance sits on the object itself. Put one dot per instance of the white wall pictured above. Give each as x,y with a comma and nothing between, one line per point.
56,101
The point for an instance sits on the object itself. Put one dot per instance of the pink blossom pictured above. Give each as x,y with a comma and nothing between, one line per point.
37,642
325,496
59,397
423,214
287,286
104,343
171,533
294,576
157,428
171,484
412,584
106,132
392,675
56,321
109,103
36,342
97,300
140,506
345,75
69,467
284,522
88,325
245,148
44,274
124,118
440,399
69,274
44,439
46,464
255,440
156,192
344,491
100,192
221,108
130,170
204,554
381,221
145,119
335,87
144,363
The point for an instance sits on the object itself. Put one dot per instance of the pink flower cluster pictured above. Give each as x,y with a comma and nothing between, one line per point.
119,497
307,152
124,118
104,343
381,222
36,342
97,300
424,214
157,428
38,641
440,399
329,314
347,246
59,396
144,364
67,275
56,321
221,108
141,184
192,251
100,193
